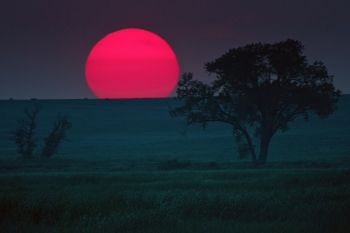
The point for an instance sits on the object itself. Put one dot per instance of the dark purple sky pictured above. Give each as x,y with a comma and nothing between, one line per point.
44,44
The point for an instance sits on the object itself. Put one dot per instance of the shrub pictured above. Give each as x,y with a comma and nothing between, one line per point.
55,137
24,134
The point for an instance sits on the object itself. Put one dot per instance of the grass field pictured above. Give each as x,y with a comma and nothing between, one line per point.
144,130
291,198
128,167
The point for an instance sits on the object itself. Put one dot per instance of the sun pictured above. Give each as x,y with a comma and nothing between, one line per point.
132,63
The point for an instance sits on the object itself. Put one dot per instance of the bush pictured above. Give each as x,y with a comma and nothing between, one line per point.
55,137
24,134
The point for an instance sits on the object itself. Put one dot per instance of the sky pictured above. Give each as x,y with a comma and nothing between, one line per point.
44,44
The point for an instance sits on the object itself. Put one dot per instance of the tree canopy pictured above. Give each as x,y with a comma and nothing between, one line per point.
258,89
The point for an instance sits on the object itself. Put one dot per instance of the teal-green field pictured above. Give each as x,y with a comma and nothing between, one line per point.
127,166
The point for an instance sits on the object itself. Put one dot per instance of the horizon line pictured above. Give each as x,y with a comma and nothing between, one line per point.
85,98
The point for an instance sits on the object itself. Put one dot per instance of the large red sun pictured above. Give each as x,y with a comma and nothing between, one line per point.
132,63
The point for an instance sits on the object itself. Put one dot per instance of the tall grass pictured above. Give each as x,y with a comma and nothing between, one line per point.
265,200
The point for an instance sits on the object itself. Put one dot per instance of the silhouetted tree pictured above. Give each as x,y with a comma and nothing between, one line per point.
258,89
24,134
55,137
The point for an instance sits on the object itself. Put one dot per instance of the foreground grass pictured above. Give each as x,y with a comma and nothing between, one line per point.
229,200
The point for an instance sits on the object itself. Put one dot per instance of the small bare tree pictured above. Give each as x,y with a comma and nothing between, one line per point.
24,134
55,137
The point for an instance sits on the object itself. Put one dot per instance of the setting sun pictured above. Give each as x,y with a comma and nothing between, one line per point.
132,63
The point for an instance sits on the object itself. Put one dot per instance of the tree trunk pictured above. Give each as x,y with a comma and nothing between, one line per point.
264,147
250,144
